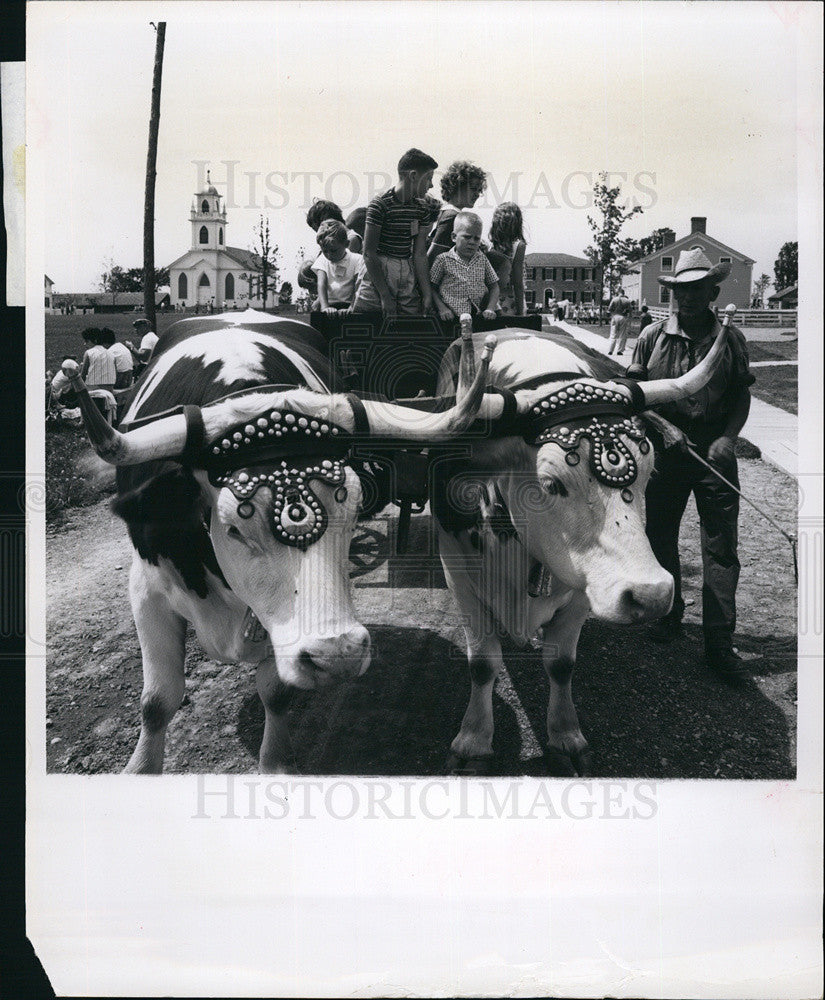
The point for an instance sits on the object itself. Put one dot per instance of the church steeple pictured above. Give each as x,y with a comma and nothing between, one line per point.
208,218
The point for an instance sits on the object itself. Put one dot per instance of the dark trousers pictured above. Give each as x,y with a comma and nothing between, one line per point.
676,475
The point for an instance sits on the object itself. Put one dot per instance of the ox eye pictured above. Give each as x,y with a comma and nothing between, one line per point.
555,487
233,532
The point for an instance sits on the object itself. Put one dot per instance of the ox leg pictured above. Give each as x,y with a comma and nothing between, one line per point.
162,634
277,755
474,742
567,750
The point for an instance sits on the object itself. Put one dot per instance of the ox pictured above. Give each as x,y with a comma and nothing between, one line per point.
234,482
543,523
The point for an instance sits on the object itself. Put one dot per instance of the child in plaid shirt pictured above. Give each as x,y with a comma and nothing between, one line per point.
463,280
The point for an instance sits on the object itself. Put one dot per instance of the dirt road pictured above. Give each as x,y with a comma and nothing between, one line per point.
647,710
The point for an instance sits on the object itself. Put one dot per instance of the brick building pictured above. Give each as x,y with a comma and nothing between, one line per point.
642,287
556,276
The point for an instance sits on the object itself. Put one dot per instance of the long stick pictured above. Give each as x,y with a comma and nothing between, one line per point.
764,514
149,198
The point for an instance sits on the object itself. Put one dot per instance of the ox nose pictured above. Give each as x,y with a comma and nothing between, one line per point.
645,602
347,654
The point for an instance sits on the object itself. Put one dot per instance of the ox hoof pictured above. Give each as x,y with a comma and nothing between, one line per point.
561,764
469,767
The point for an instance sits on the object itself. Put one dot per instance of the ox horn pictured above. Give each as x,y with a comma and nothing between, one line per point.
668,390
166,437
408,424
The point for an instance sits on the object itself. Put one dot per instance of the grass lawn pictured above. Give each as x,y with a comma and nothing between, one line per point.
777,385
774,350
63,332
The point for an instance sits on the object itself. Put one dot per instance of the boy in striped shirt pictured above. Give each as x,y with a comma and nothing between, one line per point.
397,278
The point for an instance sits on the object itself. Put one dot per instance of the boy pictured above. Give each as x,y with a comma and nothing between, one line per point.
338,269
395,243
463,279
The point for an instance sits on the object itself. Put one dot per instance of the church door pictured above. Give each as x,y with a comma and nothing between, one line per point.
204,290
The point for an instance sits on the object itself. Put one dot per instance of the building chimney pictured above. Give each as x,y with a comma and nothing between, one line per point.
670,237
698,224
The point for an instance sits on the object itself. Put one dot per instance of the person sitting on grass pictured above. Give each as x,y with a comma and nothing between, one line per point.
338,269
124,366
97,369
148,339
463,279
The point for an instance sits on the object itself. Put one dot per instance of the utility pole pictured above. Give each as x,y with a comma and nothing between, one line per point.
149,199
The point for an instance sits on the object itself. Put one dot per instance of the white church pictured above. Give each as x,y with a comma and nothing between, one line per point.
210,272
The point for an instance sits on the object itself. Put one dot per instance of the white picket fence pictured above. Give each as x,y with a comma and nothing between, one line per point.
780,318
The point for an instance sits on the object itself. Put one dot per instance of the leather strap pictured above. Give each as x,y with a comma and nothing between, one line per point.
359,413
194,435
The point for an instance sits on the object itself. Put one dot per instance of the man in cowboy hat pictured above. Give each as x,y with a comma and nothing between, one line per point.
711,420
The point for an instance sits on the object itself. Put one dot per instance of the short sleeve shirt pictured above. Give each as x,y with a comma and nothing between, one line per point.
101,369
341,275
123,359
663,350
462,284
148,341
399,223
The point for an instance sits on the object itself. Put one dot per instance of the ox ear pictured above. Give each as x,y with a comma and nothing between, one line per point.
171,497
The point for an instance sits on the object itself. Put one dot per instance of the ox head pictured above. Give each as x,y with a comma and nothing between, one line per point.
272,466
574,478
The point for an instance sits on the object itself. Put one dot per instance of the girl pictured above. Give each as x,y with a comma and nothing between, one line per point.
507,257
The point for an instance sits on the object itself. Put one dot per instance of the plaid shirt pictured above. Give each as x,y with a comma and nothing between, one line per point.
462,284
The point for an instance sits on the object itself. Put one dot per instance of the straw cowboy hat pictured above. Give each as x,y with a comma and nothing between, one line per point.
693,265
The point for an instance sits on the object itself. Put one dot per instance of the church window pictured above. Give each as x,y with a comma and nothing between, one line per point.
204,205
230,287
204,282
204,235
220,237
183,287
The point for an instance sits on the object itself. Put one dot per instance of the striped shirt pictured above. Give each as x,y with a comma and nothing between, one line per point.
399,223
101,369
462,284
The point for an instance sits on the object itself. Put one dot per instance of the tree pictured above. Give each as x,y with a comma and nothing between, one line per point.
285,293
760,286
113,279
609,251
786,268
134,278
658,240
267,255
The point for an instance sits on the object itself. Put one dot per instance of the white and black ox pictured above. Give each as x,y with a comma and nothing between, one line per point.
543,523
234,482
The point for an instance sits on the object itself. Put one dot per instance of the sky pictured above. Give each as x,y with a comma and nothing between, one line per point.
692,107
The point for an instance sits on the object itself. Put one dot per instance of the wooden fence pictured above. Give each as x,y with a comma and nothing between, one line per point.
780,318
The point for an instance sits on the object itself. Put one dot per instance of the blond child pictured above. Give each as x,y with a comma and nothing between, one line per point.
462,279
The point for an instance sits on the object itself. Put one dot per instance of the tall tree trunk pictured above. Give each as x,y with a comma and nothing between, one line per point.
149,199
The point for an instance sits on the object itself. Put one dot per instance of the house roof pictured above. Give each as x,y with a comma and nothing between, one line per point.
790,290
243,258
555,260
48,279
105,298
682,243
